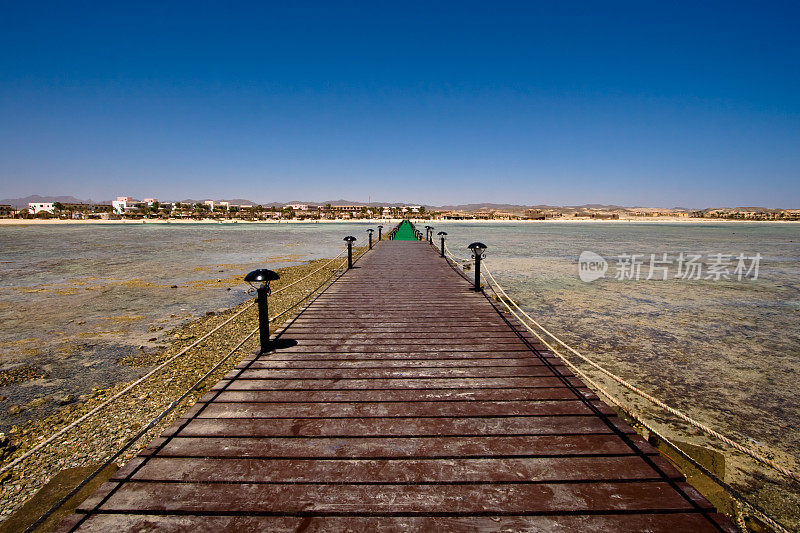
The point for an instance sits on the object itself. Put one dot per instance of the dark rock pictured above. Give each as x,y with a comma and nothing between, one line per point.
38,402
67,398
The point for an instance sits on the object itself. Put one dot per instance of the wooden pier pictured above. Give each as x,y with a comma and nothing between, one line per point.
399,399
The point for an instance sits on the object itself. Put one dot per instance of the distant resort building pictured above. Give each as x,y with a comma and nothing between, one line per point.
303,207
455,215
122,204
127,205
38,207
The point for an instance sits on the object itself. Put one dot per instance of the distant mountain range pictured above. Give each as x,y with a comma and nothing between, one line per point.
21,203
235,201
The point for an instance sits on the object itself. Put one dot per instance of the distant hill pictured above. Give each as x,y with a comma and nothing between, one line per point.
482,207
346,202
235,201
239,201
21,203
598,206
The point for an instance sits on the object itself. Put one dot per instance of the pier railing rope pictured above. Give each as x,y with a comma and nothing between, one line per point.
142,432
503,297
149,374
455,258
195,386
680,414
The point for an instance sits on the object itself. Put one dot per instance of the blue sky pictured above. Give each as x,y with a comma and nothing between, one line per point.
661,104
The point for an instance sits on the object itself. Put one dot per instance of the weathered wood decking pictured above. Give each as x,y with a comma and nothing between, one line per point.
408,402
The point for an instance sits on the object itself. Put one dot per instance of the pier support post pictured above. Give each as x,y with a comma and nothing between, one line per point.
442,234
349,240
477,253
260,280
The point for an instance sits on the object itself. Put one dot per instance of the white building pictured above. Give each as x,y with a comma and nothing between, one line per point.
122,203
38,207
300,207
210,204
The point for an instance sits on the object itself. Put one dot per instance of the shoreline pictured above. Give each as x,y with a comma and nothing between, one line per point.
181,222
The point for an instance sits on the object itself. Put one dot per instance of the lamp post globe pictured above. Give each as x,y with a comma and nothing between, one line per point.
349,240
442,235
260,280
477,252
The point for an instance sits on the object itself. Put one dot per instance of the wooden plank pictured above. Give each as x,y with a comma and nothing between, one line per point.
396,373
391,363
553,393
594,523
431,447
395,409
243,382
393,427
538,470
412,499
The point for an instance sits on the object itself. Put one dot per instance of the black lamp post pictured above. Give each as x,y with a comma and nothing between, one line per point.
370,230
477,253
260,280
442,234
380,228
349,240
428,233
